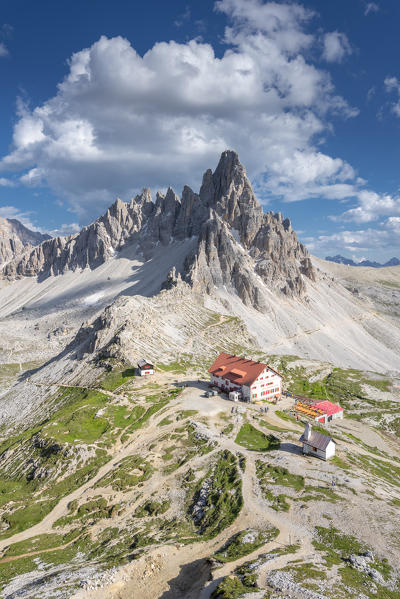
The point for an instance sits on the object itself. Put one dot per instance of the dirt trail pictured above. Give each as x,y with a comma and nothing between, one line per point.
134,446
173,572
138,444
183,572
12,558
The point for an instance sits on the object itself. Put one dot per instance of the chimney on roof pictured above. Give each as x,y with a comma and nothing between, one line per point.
308,431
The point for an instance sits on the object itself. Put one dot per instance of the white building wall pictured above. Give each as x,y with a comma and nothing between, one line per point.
146,372
338,415
267,385
319,453
221,382
330,450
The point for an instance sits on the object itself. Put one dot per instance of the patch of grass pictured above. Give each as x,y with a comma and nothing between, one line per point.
255,440
340,463
221,499
243,543
27,516
265,474
305,572
335,545
186,447
285,416
79,477
319,494
242,462
117,378
165,422
76,420
278,502
23,511
126,474
123,416
228,429
9,570
390,284
152,508
178,367
94,509
185,414
231,587
41,542
394,426
153,409
272,427
279,475
389,472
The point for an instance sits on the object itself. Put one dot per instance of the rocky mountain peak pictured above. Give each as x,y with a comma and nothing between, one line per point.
237,244
15,238
228,191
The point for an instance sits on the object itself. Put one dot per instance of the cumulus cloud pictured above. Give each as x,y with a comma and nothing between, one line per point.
120,121
371,7
385,237
336,46
3,49
371,207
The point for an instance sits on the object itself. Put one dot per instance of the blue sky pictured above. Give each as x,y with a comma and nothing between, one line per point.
99,99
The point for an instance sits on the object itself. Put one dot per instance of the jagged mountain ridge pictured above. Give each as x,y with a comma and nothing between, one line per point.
349,262
15,238
238,243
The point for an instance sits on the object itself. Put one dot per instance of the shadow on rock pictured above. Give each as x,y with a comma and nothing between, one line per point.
190,581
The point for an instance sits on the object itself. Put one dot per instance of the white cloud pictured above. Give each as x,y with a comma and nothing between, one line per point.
392,84
385,237
336,46
64,230
370,8
15,213
4,182
120,121
33,177
372,206
281,22
3,49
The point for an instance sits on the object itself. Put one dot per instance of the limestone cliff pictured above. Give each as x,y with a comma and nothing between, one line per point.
238,245
15,238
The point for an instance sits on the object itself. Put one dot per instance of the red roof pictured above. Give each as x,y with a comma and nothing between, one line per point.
238,370
328,407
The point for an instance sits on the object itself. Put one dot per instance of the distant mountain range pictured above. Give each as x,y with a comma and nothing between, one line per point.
342,260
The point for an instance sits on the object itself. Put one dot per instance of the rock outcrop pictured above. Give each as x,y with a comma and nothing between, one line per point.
15,238
238,245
